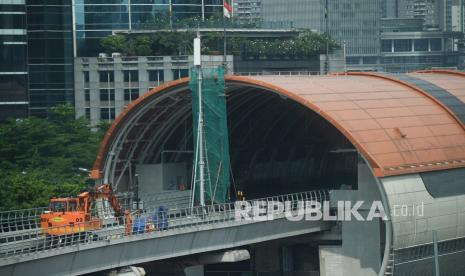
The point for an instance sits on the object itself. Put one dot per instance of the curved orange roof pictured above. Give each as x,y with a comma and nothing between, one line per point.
452,81
396,126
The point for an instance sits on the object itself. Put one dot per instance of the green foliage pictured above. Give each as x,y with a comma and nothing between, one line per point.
157,44
114,44
172,42
180,43
40,158
30,190
143,45
305,45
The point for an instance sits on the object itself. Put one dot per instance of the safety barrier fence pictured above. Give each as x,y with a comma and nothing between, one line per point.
18,220
426,251
26,219
145,222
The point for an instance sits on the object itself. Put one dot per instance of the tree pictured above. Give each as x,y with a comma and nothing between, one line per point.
114,44
40,158
143,45
175,42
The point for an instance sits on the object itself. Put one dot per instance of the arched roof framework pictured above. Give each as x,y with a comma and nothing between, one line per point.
396,126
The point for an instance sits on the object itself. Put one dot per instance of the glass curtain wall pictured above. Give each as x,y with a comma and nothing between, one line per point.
96,19
50,54
13,65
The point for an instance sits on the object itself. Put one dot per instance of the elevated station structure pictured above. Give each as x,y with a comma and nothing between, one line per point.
396,138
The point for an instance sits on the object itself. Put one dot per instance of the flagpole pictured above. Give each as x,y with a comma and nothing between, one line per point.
225,67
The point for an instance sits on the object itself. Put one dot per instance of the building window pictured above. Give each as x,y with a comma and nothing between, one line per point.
370,60
180,73
421,45
131,94
131,76
107,94
157,76
386,46
87,95
436,44
87,113
106,76
402,45
107,113
86,76
353,60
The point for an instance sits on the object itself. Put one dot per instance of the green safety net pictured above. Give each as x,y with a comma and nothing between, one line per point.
216,133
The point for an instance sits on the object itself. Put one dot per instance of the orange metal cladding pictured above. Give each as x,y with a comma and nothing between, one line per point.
452,81
397,127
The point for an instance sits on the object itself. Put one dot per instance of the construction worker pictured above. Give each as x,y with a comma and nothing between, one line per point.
240,195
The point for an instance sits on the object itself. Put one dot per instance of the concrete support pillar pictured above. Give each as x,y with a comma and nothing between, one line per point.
144,85
167,68
360,253
361,249
331,260
119,87
94,82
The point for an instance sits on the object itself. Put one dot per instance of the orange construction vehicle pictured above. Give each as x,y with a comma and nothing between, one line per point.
88,212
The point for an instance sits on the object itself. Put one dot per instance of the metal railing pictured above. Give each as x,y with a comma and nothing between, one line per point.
26,219
426,251
18,220
150,221
280,73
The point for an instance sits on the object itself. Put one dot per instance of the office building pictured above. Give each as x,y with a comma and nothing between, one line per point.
405,46
431,11
95,19
13,65
302,13
443,15
247,9
50,54
106,85
355,24
422,34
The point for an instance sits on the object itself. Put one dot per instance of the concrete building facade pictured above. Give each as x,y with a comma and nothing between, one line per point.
104,86
247,9
407,47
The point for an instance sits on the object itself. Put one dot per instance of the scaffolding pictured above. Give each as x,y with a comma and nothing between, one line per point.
215,135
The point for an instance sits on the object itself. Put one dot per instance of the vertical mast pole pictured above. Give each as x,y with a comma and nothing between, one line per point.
201,143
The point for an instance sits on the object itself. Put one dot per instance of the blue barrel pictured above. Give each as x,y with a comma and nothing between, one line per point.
138,225
160,218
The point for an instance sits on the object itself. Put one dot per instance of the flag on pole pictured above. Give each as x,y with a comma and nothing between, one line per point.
227,9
